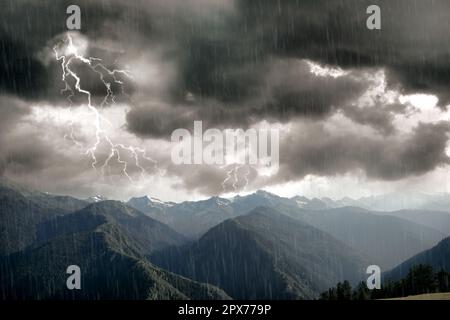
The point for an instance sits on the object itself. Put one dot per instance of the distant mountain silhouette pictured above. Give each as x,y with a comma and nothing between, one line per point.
148,234
438,220
438,257
107,241
265,255
21,210
385,240
194,218
256,246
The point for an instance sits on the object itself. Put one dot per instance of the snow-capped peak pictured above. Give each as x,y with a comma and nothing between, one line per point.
97,198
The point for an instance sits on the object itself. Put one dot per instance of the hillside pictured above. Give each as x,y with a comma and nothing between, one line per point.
430,296
438,220
385,240
265,255
111,268
438,257
148,234
194,218
21,210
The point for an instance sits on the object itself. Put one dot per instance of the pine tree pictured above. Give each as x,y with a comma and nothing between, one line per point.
362,292
443,281
344,291
421,279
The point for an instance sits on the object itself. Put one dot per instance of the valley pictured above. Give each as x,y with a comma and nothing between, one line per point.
259,246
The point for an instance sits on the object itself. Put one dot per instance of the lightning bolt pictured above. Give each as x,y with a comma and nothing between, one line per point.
117,151
232,176
228,178
246,174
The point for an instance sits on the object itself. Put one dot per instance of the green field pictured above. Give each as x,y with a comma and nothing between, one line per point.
432,296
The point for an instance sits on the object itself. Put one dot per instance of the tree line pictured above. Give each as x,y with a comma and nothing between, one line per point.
421,279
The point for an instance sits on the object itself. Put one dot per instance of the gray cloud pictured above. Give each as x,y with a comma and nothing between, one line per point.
219,47
287,90
12,109
380,117
312,149
233,64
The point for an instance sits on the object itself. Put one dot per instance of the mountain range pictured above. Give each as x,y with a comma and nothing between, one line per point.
438,257
265,255
257,246
21,210
108,241
384,238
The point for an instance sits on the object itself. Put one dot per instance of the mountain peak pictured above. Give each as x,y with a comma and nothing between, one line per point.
145,199
7,183
265,194
111,208
146,203
96,198
218,200
262,194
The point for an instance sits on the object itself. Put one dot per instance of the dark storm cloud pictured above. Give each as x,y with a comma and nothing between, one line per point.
23,32
204,179
219,47
219,56
287,89
224,63
22,149
413,42
25,151
27,29
20,73
380,117
27,157
312,149
236,63
11,109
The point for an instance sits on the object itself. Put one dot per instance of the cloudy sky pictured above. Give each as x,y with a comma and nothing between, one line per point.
360,111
